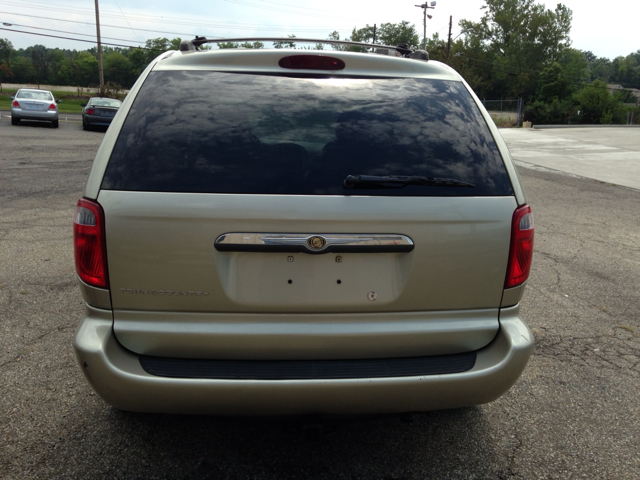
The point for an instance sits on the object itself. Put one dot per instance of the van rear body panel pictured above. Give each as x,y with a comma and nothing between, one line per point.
269,233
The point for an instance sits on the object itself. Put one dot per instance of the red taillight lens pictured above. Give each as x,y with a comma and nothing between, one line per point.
311,62
52,106
89,243
16,104
90,111
521,250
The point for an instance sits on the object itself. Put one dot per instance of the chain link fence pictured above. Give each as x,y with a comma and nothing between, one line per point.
506,112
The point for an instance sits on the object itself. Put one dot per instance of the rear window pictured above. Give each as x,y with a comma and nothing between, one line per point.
34,95
213,132
105,102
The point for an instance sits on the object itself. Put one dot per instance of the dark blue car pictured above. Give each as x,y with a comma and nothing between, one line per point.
99,112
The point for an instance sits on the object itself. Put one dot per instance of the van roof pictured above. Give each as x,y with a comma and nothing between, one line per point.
266,61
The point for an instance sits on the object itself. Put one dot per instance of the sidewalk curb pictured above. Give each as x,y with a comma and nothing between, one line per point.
541,127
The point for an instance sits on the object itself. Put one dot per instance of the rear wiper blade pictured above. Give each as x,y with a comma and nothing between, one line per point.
398,181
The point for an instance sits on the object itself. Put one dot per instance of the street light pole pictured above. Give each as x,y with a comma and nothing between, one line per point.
424,7
99,47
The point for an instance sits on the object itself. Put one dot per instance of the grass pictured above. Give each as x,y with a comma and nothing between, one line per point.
69,101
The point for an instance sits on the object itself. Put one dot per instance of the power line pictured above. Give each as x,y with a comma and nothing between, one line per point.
179,21
294,6
125,18
77,39
7,24
281,10
89,23
235,26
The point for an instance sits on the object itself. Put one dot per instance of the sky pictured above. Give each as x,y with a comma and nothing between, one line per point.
608,29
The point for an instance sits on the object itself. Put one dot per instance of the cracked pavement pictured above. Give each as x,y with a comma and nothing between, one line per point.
573,414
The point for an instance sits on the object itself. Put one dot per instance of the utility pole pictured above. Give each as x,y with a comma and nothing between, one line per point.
449,41
374,33
424,8
99,47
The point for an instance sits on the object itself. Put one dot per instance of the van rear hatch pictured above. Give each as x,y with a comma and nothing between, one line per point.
220,184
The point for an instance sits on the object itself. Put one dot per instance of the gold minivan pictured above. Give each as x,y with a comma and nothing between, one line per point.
271,231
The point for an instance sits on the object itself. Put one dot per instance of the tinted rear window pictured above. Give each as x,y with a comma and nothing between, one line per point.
105,102
212,132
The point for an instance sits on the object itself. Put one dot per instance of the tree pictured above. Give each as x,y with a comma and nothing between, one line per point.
388,34
138,59
5,73
80,69
6,49
598,105
553,84
252,45
228,45
118,69
156,46
520,38
284,44
398,33
336,36
41,61
563,78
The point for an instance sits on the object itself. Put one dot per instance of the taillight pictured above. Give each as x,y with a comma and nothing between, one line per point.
311,62
89,243
15,104
521,249
90,111
52,106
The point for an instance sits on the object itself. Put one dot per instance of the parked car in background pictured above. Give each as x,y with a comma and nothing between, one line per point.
276,231
34,104
99,112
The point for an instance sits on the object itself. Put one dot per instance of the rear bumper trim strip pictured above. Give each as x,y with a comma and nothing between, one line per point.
307,369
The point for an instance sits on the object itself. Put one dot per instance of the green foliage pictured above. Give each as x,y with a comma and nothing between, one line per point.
81,69
397,33
138,61
117,68
626,96
513,41
255,45
157,46
6,50
111,90
387,34
598,106
284,44
553,83
553,112
336,36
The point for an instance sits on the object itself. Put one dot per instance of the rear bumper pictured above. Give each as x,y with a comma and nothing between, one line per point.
117,376
34,115
98,121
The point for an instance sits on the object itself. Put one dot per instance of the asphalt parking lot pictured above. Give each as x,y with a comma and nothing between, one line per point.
574,413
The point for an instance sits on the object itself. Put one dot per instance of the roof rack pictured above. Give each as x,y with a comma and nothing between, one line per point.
194,45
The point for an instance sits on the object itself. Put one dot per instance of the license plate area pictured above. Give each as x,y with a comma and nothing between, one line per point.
275,280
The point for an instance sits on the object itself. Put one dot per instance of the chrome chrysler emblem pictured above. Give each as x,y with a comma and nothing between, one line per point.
316,243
